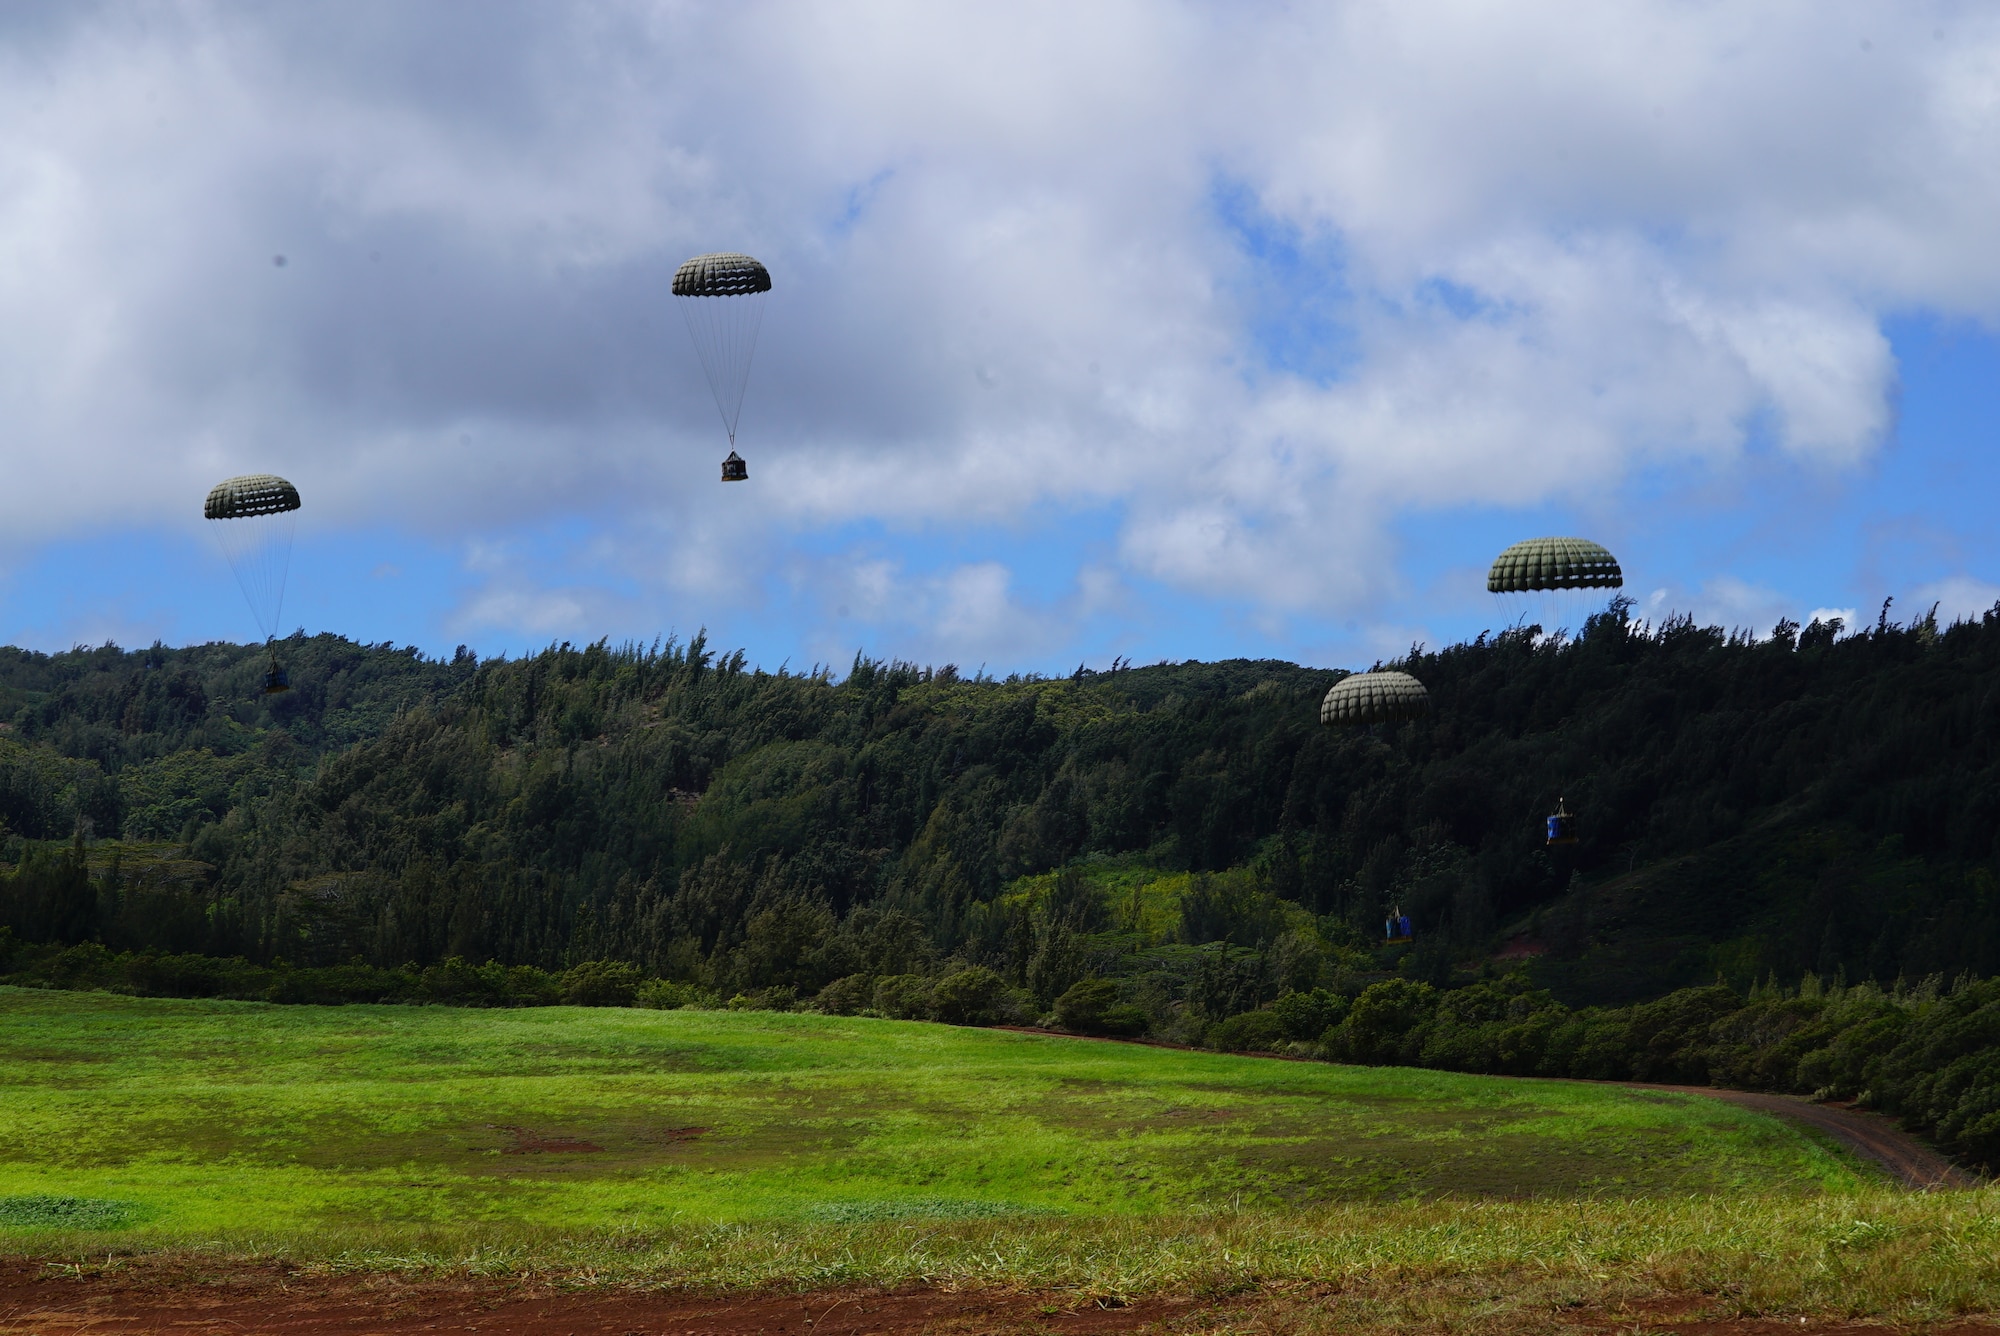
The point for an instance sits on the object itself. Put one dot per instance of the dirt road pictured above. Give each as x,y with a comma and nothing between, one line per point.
1867,1134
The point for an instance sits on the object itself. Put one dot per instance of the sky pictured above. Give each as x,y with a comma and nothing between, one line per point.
1145,330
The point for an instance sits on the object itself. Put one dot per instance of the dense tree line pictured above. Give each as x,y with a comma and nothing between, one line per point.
1791,805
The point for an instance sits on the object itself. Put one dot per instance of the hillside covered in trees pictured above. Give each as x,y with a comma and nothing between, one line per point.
1801,804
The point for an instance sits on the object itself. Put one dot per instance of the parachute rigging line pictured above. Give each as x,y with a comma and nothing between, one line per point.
254,518
721,296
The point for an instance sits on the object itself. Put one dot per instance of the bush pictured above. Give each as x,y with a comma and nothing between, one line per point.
665,995
600,983
1306,1016
87,965
904,997
1092,1007
193,976
454,983
782,997
1249,1032
336,985
975,996
846,996
1386,1024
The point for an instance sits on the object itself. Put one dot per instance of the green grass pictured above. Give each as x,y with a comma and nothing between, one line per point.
742,1149
217,1117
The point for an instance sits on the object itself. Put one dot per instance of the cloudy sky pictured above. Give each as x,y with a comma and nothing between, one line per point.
1153,330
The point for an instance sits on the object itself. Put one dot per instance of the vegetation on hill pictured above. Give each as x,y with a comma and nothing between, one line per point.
1180,850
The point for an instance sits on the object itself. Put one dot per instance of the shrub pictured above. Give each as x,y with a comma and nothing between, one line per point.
1249,1032
1307,1016
526,986
783,997
846,996
665,995
1092,1007
904,997
454,982
87,965
183,976
600,983
975,996
335,985
1385,1024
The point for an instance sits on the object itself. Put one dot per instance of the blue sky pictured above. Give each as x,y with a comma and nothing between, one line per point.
1164,331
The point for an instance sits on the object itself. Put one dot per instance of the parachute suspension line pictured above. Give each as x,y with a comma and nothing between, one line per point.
725,330
1557,584
259,551
254,517
1564,611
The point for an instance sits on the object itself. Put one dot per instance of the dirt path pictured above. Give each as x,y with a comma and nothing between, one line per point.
34,1300
1867,1134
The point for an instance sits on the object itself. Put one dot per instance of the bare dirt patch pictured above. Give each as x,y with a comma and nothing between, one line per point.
34,1300
46,1301
527,1141
530,1142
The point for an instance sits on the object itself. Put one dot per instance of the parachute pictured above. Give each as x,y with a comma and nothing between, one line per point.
1556,583
722,298
254,516
1374,698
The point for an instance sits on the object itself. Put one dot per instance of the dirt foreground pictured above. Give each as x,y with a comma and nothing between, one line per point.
42,1300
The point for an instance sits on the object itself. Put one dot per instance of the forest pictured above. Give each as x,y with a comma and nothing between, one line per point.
1786,821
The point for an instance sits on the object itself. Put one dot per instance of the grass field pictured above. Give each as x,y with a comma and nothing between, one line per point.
757,1148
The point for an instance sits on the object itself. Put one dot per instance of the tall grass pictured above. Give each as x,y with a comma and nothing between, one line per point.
1883,1254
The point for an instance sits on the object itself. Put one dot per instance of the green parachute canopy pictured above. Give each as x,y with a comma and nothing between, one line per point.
251,494
1553,563
722,274
254,516
1374,698
722,298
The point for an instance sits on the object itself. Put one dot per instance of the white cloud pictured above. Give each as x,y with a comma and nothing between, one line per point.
1736,604
1261,279
1958,598
966,614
